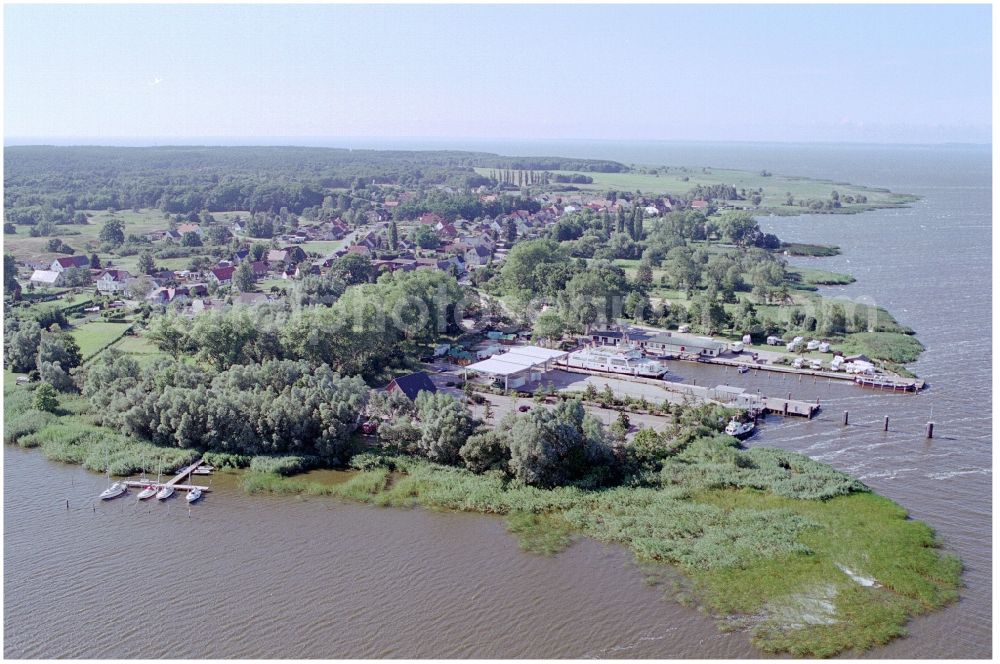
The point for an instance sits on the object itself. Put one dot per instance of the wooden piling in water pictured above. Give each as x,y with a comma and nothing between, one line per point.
845,418
930,429
885,425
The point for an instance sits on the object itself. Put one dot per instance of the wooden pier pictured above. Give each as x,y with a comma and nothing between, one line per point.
175,482
900,383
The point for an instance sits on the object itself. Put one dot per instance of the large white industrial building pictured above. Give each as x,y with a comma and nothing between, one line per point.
519,365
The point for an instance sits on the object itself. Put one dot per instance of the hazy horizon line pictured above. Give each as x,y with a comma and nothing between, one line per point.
325,142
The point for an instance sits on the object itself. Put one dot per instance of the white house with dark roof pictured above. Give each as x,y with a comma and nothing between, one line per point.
66,262
113,281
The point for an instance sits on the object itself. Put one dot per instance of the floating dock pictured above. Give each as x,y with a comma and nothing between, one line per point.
175,482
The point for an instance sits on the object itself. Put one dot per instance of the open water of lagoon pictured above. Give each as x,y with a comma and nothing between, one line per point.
260,576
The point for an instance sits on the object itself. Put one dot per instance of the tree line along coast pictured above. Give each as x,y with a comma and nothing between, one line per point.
249,304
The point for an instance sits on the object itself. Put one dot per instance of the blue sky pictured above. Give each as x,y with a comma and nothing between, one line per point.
770,73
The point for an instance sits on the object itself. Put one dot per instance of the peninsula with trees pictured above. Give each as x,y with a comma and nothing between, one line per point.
278,310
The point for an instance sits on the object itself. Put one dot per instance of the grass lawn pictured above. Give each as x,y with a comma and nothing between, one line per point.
265,285
322,247
94,336
140,349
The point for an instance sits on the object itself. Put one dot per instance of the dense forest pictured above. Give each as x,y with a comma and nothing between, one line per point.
45,183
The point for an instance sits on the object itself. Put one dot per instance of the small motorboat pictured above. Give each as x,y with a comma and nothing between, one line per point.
113,491
740,430
148,491
743,369
193,495
165,492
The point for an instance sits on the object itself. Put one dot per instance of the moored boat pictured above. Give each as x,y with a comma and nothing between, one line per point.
165,492
113,491
626,360
193,495
148,491
882,383
739,429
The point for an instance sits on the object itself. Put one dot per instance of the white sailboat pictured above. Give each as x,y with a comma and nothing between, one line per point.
113,490
165,492
149,490
193,495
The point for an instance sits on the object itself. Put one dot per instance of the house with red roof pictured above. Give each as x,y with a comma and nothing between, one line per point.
67,262
222,275
431,219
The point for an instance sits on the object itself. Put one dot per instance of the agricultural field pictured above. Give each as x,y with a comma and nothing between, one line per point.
84,238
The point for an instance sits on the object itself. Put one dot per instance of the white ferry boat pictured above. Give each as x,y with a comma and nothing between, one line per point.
626,360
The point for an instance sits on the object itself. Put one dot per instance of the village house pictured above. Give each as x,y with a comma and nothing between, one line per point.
184,229
222,275
338,229
402,264
181,294
251,299
201,306
66,262
46,278
445,229
669,343
477,256
276,257
411,385
259,269
114,281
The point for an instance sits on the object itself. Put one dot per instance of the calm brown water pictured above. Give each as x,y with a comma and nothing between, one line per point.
261,576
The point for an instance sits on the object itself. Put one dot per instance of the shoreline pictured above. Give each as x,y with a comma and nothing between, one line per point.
546,522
